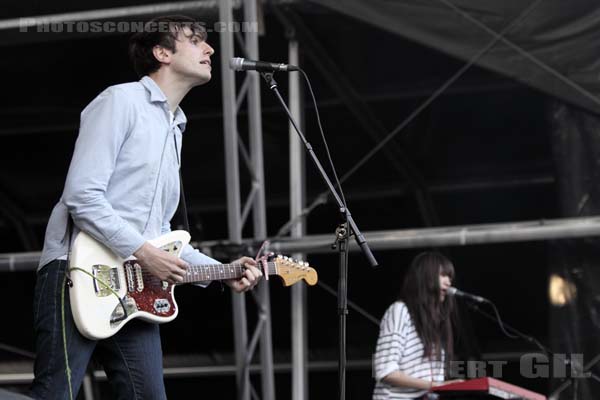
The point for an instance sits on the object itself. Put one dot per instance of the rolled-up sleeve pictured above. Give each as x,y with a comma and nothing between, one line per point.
195,257
390,343
105,125
191,255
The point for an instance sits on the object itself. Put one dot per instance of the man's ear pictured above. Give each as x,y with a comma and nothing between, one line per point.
161,54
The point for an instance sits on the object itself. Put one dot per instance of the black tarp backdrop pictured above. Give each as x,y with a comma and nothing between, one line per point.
576,323
551,46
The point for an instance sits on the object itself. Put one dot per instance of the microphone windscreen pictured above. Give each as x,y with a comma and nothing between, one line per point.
236,63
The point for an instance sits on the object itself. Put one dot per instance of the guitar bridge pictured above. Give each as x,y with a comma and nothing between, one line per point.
107,275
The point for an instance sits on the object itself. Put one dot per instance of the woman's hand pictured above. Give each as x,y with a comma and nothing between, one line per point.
436,384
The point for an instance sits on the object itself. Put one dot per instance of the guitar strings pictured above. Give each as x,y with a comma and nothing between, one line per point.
150,278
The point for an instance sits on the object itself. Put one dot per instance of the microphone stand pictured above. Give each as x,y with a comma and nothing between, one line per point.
571,381
512,330
343,233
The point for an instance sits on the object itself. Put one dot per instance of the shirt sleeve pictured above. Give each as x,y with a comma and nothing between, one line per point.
105,125
191,255
195,257
391,342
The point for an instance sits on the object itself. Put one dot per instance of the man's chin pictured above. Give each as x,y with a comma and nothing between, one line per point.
204,79
200,79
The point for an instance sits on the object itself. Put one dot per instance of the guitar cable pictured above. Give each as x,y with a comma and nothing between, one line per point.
67,282
67,279
107,286
64,330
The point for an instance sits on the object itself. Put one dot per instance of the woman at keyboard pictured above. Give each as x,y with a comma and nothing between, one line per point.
415,337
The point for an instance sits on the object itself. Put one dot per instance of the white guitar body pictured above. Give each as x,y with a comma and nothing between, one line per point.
108,291
97,311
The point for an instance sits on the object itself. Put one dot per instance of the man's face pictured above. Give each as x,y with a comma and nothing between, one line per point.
192,57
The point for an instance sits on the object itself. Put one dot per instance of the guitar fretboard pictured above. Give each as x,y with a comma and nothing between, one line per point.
212,272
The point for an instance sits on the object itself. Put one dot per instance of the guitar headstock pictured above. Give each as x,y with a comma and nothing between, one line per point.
292,271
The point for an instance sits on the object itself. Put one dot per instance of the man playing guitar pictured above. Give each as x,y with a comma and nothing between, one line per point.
122,189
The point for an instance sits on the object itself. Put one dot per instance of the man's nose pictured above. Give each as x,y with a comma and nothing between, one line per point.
208,49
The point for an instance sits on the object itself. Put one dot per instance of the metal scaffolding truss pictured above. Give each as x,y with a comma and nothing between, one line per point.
250,90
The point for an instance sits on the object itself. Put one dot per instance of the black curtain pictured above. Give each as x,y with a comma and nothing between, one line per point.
575,264
560,40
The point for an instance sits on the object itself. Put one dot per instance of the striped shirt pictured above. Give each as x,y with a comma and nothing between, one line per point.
399,348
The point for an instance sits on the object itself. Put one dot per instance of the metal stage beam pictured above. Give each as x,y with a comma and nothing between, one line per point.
147,10
507,232
523,231
20,373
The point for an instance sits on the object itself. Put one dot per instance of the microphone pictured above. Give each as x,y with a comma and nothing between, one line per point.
241,64
452,291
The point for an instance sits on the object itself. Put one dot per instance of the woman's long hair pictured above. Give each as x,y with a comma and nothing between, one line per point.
433,318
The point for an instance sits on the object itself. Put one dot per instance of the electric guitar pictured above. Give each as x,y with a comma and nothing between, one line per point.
108,291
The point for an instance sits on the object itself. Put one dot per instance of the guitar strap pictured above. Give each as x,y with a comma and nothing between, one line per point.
69,238
181,207
181,210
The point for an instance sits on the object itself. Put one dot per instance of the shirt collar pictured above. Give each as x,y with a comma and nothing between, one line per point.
157,96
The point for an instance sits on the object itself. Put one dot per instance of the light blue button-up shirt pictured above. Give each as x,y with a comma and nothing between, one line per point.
123,182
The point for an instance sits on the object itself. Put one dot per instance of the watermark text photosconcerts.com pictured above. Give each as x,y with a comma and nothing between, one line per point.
48,26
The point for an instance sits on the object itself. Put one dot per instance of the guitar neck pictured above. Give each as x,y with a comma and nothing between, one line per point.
213,272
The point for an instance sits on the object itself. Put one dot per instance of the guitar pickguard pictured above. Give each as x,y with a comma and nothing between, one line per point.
145,292
172,247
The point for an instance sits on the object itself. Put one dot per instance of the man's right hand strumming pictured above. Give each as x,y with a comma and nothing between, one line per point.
161,264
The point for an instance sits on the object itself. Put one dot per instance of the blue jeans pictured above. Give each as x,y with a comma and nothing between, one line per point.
132,358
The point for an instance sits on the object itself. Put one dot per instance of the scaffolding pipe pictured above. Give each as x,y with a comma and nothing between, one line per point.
567,228
238,301
259,209
508,232
108,13
297,203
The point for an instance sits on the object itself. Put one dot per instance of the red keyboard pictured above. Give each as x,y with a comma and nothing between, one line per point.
489,386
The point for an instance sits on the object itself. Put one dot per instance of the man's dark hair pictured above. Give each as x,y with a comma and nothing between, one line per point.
160,31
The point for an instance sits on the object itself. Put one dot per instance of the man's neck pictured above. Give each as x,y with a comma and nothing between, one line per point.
174,89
